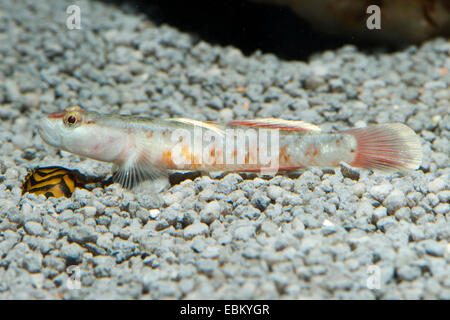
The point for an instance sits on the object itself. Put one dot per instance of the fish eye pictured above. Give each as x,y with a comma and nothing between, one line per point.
71,118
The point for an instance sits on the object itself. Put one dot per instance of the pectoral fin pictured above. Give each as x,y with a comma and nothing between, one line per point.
139,167
131,175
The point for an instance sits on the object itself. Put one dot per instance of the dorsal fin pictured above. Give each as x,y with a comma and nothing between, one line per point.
275,123
207,125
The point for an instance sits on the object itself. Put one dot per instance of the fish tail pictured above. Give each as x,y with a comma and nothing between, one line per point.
392,146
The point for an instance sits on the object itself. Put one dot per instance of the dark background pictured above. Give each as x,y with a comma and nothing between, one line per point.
243,24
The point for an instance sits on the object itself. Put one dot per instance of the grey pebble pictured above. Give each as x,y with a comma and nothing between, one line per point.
395,200
89,211
432,199
207,266
417,233
105,240
442,208
403,213
120,244
54,262
33,262
82,234
260,200
225,239
186,285
349,172
314,82
72,251
328,228
34,228
434,248
195,229
210,212
385,223
244,232
417,212
275,192
444,196
247,211
380,192
30,213
103,266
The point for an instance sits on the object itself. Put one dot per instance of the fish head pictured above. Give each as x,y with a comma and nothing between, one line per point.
60,128
84,133
72,129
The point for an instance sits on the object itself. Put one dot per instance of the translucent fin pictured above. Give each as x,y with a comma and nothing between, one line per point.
392,146
207,125
139,167
275,123
131,175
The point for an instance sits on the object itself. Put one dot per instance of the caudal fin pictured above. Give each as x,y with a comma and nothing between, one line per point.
391,146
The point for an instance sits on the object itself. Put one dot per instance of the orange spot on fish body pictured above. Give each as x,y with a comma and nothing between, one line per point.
284,155
189,157
316,152
167,160
186,152
212,152
219,155
196,162
312,151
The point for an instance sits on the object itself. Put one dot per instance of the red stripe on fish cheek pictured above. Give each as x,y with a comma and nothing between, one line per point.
57,114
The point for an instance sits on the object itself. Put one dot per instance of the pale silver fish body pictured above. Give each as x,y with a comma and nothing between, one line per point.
119,139
143,148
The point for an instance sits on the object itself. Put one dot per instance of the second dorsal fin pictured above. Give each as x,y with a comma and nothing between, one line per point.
275,123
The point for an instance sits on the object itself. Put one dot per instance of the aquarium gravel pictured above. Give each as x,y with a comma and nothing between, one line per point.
324,234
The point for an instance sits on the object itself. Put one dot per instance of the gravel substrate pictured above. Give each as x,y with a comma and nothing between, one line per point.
313,235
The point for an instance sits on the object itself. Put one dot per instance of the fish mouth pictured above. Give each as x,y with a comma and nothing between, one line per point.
48,132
